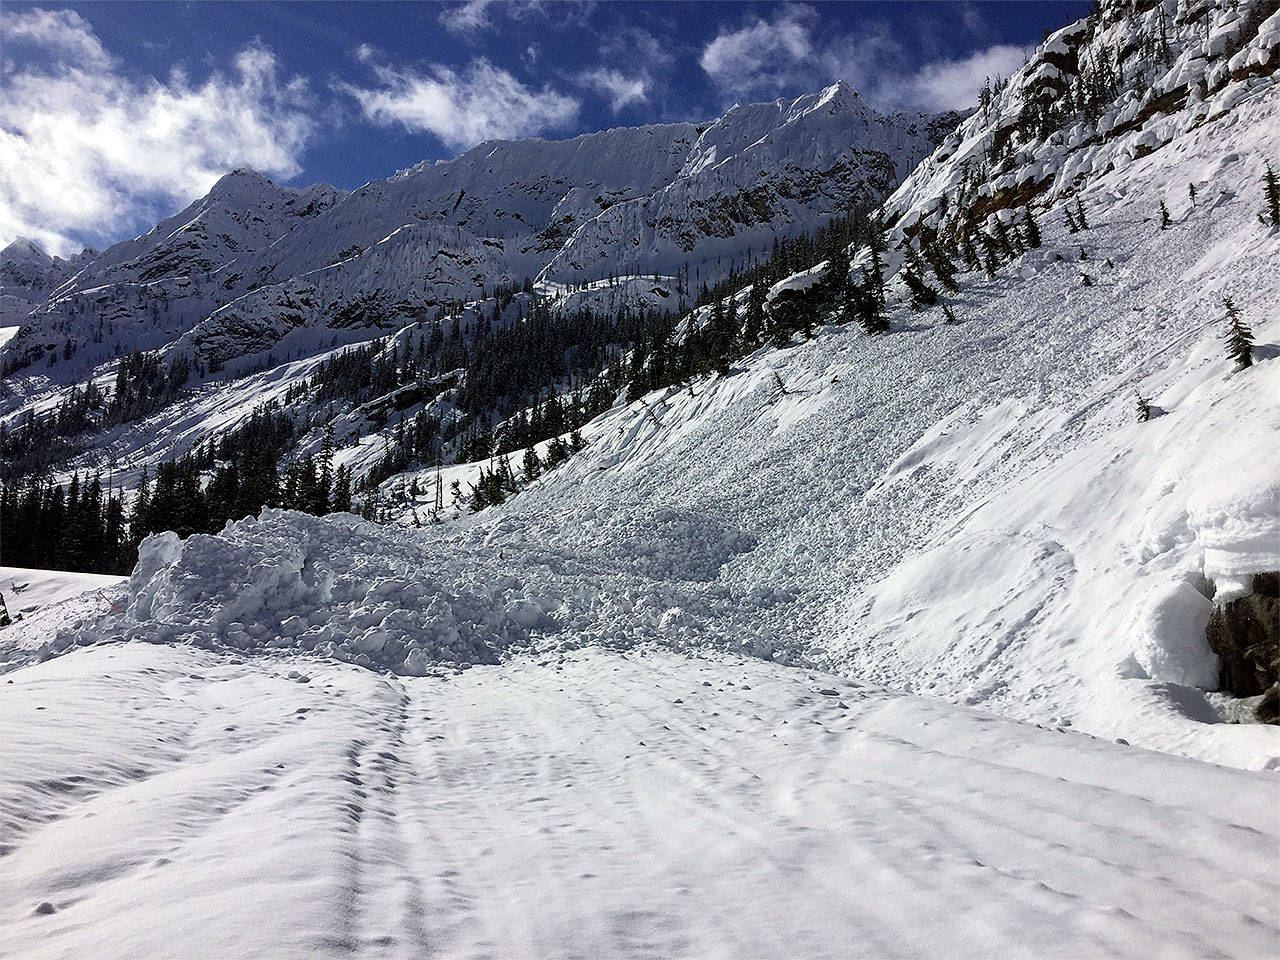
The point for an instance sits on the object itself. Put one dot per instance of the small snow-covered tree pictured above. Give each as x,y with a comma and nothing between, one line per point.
1164,216
1144,408
1239,337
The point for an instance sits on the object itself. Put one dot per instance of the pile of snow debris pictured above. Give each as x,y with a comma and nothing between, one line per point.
397,600
328,586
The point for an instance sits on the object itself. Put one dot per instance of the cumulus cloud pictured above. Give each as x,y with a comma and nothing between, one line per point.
482,103
618,89
791,53
91,152
953,84
763,56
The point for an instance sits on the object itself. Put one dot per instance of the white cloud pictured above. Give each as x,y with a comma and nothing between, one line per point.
469,17
463,109
618,89
62,32
953,84
763,56
475,16
791,53
92,153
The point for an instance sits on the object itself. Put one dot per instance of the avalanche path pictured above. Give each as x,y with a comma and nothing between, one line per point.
161,800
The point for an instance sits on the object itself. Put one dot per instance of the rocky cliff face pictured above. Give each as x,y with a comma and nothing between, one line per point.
1095,97
1245,634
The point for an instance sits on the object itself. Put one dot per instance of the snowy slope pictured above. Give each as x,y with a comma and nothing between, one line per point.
164,801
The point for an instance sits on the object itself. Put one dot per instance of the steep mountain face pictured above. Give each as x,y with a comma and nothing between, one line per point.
751,175
142,293
28,276
252,264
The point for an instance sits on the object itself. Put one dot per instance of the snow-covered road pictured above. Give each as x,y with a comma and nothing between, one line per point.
167,801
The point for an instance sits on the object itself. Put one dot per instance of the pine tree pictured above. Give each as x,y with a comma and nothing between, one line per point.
1272,190
1164,216
324,483
341,501
1239,337
1005,241
1081,220
1144,408
871,308
531,466
990,263
1031,231
922,295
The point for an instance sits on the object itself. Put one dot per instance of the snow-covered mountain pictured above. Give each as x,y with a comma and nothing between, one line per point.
251,263
950,614
28,276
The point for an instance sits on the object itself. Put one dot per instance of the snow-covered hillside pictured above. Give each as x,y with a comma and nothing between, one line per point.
873,644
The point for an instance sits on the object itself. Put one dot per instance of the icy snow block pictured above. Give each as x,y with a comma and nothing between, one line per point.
1236,519
1172,646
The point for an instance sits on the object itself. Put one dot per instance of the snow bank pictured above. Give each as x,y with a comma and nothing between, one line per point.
413,601
1236,519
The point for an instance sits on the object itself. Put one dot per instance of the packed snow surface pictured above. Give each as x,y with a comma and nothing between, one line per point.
167,801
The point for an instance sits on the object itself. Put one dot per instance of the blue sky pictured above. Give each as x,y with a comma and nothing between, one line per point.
114,114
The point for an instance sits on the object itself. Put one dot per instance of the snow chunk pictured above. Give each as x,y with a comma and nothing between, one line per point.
1171,638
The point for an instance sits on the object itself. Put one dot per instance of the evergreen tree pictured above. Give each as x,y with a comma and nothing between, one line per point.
1081,220
531,465
1005,240
324,482
1031,230
1164,216
341,502
922,295
1144,408
871,307
1239,337
1272,190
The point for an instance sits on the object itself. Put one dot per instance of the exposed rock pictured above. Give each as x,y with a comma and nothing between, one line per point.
1245,634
